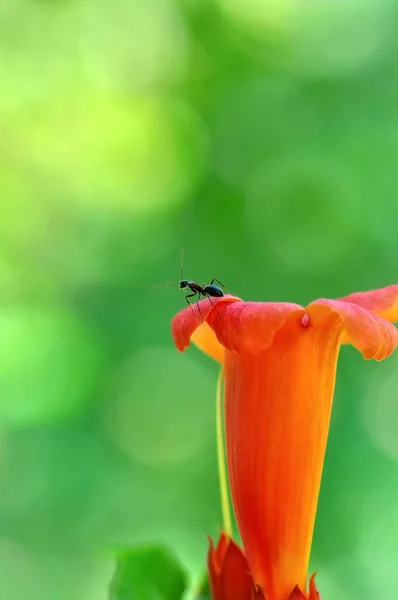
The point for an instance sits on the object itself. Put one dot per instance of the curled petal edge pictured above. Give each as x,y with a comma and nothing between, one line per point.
382,302
187,325
372,335
245,327
250,327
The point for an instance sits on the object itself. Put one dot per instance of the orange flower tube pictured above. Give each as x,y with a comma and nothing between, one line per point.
279,363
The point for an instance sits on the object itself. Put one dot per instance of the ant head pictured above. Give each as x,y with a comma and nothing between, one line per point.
183,283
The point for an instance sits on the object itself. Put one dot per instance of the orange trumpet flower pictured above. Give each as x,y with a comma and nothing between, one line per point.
279,362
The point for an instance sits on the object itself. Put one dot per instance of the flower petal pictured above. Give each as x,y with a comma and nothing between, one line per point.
214,568
216,555
222,547
206,340
236,581
383,302
277,411
314,594
229,574
250,327
188,324
372,335
297,594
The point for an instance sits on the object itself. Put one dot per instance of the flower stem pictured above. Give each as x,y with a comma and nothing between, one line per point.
222,470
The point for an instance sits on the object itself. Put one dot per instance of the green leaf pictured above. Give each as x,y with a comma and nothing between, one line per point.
147,574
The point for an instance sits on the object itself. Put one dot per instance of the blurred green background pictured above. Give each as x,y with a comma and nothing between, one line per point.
261,136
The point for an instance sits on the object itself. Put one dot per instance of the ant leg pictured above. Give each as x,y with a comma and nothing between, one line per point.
219,282
213,305
200,312
190,296
197,302
209,299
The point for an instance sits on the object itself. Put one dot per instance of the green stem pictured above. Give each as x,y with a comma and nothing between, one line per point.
222,470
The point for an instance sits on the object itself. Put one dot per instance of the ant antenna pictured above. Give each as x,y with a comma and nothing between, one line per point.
160,285
182,261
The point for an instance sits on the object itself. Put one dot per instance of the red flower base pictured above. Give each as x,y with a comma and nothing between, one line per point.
230,577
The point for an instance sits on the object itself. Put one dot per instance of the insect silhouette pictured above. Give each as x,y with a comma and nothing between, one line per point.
201,291
197,291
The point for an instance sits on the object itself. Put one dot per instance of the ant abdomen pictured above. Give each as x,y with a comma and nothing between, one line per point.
213,290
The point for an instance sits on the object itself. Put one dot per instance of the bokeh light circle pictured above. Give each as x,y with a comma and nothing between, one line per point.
335,37
377,540
306,211
139,155
50,363
331,37
132,45
380,408
162,409
280,121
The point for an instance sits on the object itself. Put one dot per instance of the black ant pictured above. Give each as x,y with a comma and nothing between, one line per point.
200,291
205,291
